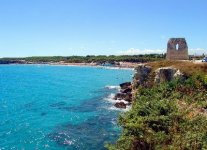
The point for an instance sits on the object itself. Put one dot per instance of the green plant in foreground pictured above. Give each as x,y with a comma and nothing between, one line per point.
166,116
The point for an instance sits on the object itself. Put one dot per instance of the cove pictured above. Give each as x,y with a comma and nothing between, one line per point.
58,107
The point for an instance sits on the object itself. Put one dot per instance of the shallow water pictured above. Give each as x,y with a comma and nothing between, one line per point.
58,107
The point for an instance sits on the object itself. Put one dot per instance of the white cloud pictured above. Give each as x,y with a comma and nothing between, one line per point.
197,51
133,51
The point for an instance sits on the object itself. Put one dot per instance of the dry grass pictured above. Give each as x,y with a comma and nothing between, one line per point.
192,109
186,67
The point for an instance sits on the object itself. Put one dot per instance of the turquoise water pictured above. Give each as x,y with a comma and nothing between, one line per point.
57,107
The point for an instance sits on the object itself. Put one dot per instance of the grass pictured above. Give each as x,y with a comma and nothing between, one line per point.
189,68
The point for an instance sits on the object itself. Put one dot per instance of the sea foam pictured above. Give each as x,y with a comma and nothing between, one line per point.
112,87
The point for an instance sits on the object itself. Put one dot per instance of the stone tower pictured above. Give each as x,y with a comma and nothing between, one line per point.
177,49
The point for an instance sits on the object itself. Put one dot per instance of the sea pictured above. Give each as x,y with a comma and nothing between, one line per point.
59,107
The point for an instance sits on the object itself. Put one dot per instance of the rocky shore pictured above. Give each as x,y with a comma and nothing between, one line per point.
144,76
124,96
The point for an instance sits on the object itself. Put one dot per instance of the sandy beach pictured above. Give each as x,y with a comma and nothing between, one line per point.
122,65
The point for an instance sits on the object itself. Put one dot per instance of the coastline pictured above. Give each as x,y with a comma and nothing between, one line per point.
159,94
122,65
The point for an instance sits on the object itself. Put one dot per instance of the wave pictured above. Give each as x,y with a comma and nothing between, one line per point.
120,109
112,87
118,68
110,99
114,121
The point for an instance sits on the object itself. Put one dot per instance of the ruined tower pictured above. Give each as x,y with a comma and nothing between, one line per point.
177,49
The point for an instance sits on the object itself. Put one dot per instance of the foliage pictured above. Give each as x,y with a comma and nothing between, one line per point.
167,116
86,59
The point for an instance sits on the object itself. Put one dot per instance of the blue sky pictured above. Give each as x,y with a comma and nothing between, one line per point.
97,27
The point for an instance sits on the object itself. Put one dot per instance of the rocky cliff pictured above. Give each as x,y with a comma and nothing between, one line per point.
144,77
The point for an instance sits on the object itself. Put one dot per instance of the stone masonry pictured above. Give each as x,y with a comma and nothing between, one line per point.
177,49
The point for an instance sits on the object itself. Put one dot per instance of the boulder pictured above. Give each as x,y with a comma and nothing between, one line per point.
128,90
167,74
179,74
125,85
141,75
120,105
142,71
124,96
128,97
120,96
164,74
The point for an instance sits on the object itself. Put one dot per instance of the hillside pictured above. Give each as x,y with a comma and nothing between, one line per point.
167,115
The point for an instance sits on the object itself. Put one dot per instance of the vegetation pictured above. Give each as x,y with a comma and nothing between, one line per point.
186,67
86,59
168,116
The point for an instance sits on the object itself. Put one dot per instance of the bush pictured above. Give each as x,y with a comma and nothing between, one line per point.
166,116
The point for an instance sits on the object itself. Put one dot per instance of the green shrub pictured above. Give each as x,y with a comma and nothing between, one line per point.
166,116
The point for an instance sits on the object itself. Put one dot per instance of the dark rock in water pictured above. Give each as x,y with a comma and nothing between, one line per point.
120,105
128,97
124,96
120,96
128,90
125,93
125,85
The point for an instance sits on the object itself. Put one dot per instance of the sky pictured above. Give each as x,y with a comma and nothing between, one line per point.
99,27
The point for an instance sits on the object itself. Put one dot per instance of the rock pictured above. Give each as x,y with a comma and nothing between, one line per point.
141,75
142,71
125,85
120,96
124,96
128,97
178,74
128,90
167,74
120,105
164,74
117,63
